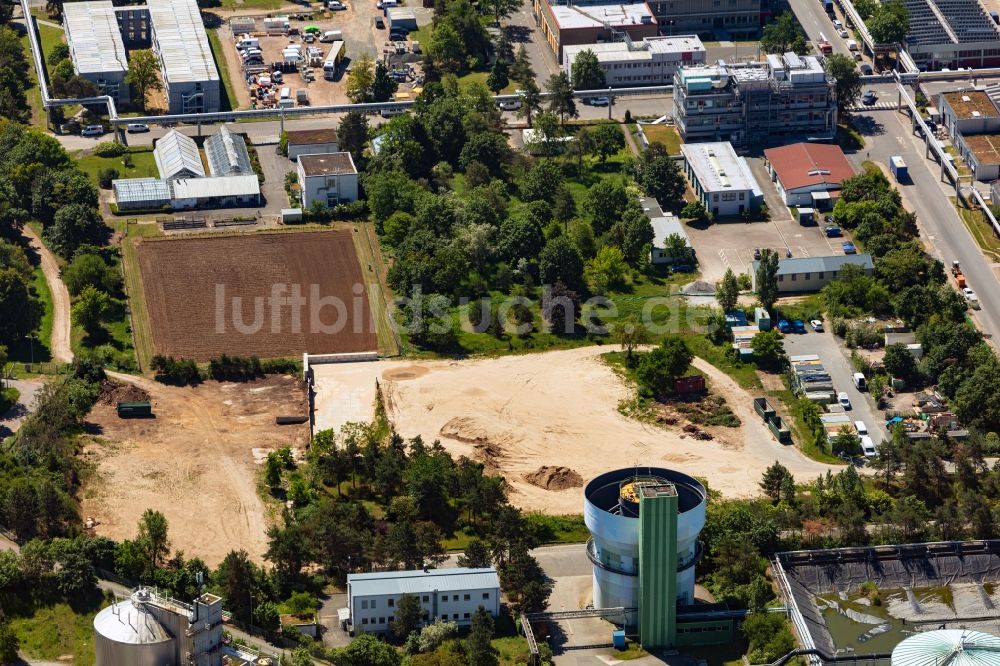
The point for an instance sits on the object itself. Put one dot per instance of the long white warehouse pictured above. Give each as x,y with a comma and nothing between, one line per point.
95,46
651,62
190,79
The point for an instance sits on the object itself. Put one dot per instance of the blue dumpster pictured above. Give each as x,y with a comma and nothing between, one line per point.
618,639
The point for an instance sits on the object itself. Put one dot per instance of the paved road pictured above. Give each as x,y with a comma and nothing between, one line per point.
10,421
815,20
940,226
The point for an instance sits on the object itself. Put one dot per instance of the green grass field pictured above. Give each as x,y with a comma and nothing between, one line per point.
980,228
230,101
664,134
143,164
60,632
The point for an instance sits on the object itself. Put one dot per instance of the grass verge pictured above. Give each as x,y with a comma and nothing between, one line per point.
379,297
56,632
231,101
981,230
42,350
142,337
32,90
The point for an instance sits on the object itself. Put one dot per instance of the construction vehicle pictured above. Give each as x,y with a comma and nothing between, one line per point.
956,272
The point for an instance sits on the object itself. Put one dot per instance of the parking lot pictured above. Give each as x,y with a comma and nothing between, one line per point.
727,245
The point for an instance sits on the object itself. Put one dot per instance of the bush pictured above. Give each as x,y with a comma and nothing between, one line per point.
354,210
105,176
110,149
235,368
91,270
179,372
281,366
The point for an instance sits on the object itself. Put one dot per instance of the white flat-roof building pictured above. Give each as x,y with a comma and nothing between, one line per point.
650,62
721,178
95,46
591,22
451,595
190,78
329,178
665,226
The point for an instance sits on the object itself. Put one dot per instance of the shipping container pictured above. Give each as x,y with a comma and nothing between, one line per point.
134,410
763,409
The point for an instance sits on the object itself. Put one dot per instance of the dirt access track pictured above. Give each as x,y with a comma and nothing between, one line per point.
560,408
194,462
212,296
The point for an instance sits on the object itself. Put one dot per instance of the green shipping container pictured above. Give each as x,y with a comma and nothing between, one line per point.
134,409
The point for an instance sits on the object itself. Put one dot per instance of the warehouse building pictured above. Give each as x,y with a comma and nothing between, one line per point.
177,156
190,80
803,274
227,154
311,142
329,178
96,48
756,103
808,174
951,34
451,595
592,22
721,179
650,62
741,18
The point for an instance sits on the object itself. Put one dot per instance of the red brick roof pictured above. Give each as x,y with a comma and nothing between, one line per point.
805,164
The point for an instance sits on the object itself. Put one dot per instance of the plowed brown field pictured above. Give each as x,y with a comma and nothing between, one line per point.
210,296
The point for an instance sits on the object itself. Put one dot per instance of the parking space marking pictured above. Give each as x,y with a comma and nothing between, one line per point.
732,259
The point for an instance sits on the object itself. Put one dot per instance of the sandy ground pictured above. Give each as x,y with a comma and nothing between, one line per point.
59,345
194,462
553,408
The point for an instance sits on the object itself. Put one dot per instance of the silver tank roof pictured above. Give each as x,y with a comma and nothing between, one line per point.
128,622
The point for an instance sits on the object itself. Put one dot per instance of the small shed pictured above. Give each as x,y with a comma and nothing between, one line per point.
807,215
291,215
763,319
401,17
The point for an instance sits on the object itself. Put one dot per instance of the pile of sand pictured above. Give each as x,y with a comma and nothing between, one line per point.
550,477
113,392
699,287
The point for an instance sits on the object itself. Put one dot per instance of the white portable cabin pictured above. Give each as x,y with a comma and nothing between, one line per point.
276,26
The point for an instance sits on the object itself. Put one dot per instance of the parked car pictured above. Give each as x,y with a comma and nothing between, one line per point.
784,326
600,101
843,33
682,268
849,248
510,105
861,427
866,69
336,5
832,231
379,22
843,400
837,24
868,99
799,326
868,446
92,130
817,325
136,128
756,254
971,297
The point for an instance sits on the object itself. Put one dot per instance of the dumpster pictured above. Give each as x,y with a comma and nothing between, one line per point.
134,410
764,410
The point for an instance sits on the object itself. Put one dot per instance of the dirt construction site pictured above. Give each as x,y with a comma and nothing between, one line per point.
196,462
549,421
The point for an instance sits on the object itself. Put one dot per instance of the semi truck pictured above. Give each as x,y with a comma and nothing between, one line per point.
898,168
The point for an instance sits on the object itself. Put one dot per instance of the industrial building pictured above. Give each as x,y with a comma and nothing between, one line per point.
663,227
803,274
808,174
97,34
451,595
756,103
176,156
227,154
311,142
96,47
328,178
590,22
968,112
650,62
721,179
981,153
741,18
951,34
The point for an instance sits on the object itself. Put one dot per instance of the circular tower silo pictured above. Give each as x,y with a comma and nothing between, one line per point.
611,512
127,634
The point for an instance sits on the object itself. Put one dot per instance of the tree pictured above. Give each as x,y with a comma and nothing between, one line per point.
91,309
728,291
608,140
606,200
500,9
899,362
152,538
531,101
587,72
478,645
848,87
768,349
144,74
695,210
476,556
560,262
630,333
361,79
353,134
561,100
367,650
446,49
409,614
498,78
58,53
657,369
890,22
383,85
774,480
845,443
767,278
90,270
659,176
521,70
783,35
272,471
564,206
606,271
22,310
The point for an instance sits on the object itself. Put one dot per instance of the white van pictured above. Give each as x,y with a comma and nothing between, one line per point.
852,45
868,447
286,93
248,43
92,130
859,381
861,427
332,36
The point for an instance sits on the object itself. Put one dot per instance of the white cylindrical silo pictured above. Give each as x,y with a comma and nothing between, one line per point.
613,521
126,634
955,647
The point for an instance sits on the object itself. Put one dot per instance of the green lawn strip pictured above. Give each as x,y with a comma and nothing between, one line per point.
143,164
142,336
379,297
981,230
664,134
231,101
44,333
33,91
807,444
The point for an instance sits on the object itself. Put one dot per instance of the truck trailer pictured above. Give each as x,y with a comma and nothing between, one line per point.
898,168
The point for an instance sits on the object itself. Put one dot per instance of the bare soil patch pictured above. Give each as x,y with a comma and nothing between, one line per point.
193,462
113,392
554,478
209,296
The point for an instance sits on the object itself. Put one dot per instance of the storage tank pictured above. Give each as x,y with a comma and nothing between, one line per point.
955,647
127,634
612,514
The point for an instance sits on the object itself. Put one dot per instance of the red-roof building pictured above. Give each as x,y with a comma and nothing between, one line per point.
808,174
